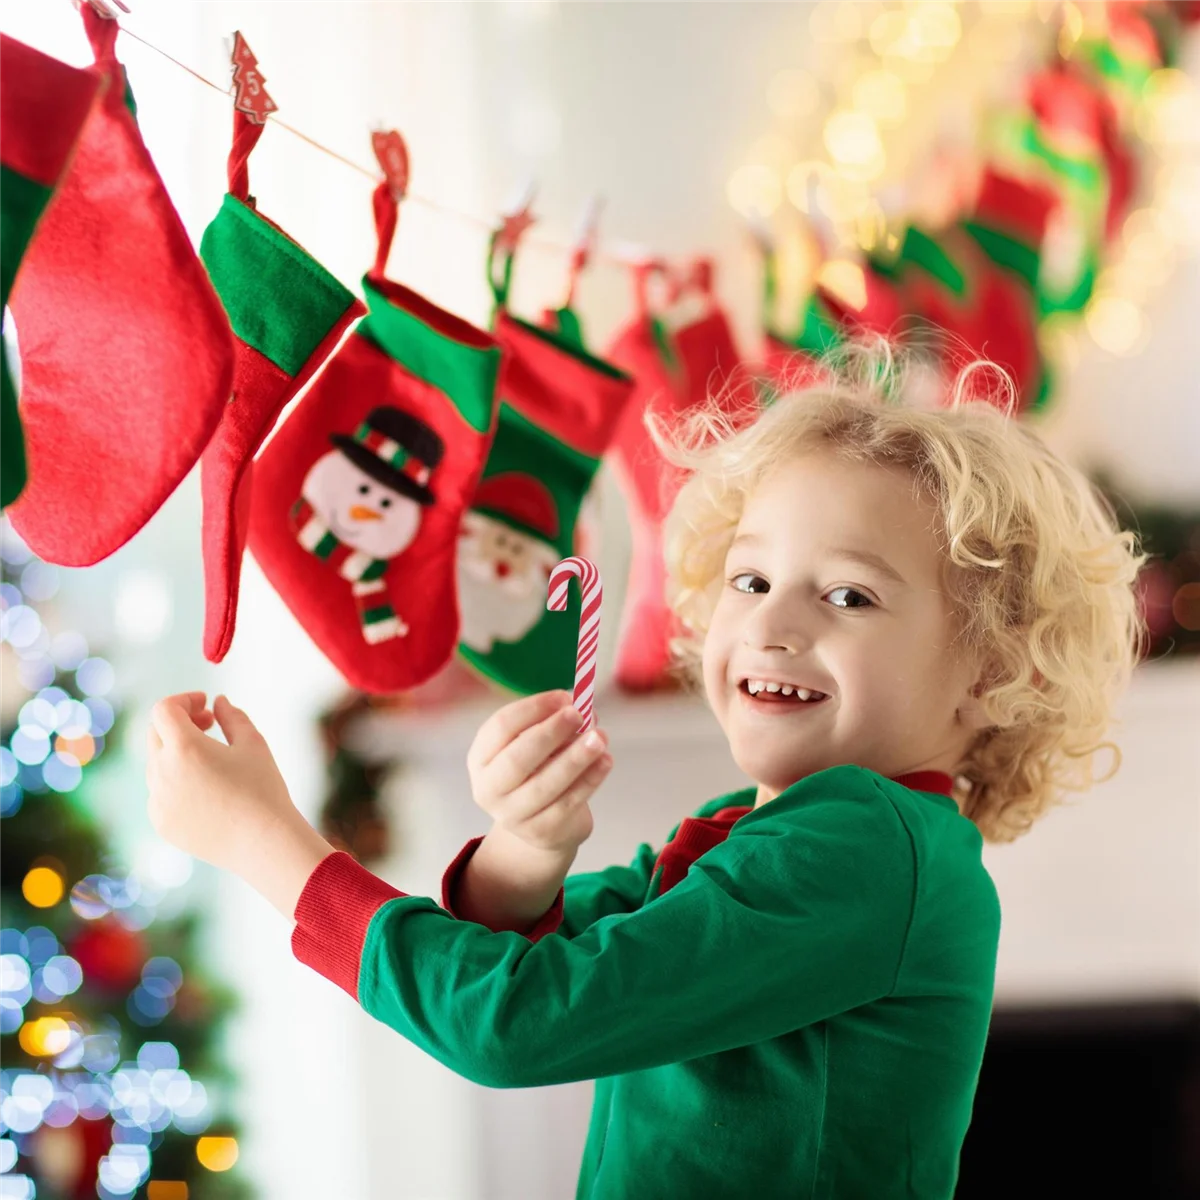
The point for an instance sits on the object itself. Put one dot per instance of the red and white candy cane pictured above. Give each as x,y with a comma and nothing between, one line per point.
589,626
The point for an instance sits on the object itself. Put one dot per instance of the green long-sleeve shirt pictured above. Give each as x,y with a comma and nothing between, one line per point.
802,1015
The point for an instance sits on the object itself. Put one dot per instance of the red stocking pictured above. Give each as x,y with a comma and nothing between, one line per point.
43,107
357,499
287,313
126,356
674,373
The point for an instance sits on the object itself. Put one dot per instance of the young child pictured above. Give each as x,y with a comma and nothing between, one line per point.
912,625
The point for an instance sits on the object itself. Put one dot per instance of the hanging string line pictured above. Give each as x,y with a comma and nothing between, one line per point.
611,256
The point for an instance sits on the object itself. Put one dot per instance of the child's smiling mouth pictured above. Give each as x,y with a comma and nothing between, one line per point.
763,694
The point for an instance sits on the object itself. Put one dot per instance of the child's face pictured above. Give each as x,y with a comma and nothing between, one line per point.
794,609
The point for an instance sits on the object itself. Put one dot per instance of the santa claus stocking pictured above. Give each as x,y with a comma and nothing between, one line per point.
679,360
43,106
126,355
559,409
358,497
287,314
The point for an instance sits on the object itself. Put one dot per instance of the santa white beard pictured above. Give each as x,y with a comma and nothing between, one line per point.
502,577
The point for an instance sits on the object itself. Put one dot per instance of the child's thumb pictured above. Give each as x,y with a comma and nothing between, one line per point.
235,724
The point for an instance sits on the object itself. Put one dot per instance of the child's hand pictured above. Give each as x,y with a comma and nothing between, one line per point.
217,802
533,776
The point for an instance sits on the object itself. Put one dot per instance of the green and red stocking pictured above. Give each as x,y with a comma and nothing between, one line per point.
559,408
679,358
987,311
790,359
126,354
287,314
358,498
43,106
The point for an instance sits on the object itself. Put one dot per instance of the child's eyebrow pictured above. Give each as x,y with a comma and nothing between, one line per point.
868,558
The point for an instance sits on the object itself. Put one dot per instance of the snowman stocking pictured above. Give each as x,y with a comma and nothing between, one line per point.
679,360
43,106
126,355
559,409
287,313
358,497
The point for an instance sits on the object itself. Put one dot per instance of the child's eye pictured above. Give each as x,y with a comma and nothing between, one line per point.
866,603
757,584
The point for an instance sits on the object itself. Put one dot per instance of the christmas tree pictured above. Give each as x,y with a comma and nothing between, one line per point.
111,1084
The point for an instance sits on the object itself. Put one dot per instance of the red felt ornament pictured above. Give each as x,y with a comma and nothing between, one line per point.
126,355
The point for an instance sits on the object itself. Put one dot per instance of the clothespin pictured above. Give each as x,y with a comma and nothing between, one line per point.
104,8
585,244
250,96
392,155
518,219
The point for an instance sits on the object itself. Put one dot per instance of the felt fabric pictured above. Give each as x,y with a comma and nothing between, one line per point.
987,311
287,314
126,354
387,446
43,106
827,964
559,409
676,370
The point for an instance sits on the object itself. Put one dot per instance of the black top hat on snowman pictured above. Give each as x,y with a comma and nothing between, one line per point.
396,449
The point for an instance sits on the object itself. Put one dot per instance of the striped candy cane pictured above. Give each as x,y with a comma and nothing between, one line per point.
589,626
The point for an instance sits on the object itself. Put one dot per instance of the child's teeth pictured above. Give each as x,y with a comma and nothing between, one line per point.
785,690
773,687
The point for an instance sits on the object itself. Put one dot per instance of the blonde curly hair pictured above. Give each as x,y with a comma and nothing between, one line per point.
1039,574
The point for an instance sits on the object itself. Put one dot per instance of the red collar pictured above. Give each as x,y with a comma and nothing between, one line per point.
696,835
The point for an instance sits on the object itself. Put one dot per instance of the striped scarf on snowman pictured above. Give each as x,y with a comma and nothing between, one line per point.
365,574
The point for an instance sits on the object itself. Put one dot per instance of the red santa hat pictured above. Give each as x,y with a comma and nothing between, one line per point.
521,501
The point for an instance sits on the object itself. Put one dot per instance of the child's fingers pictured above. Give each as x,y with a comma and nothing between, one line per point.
556,777
579,793
527,753
507,722
170,720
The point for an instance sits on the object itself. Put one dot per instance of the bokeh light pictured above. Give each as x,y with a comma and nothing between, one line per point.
43,887
217,1153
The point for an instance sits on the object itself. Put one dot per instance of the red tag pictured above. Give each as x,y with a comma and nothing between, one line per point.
250,97
392,156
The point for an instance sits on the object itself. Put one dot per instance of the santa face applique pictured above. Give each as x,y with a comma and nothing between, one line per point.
360,507
502,579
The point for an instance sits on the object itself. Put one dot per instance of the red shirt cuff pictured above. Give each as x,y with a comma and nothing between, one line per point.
335,908
548,922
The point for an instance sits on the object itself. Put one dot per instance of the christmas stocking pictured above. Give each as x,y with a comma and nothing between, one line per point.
126,356
791,360
987,311
678,359
43,106
358,497
559,409
287,314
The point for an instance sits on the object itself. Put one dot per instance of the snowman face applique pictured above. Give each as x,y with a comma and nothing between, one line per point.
360,511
